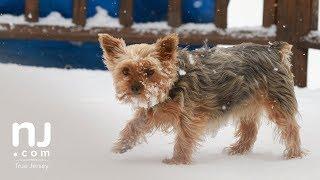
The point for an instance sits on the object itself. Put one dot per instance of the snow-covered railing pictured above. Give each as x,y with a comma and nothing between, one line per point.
311,40
285,20
82,29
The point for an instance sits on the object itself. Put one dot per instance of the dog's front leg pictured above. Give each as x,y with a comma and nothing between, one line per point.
133,132
189,132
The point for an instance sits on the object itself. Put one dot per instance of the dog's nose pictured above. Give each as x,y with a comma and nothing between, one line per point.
136,87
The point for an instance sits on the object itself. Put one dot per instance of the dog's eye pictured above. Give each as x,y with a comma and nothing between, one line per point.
125,71
149,72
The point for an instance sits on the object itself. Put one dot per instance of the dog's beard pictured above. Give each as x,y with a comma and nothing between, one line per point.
152,96
137,103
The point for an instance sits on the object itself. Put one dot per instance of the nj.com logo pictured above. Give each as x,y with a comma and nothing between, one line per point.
36,155
31,134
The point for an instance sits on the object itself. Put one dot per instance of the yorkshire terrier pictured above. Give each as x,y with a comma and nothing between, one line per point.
191,92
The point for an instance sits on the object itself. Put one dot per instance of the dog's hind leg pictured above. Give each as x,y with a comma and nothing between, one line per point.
247,130
287,127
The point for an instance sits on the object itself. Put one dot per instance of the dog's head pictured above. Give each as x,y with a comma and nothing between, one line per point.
142,73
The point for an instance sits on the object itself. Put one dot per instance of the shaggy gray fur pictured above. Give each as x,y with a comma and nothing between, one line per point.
219,79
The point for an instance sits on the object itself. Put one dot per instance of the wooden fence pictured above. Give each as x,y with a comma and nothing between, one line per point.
294,20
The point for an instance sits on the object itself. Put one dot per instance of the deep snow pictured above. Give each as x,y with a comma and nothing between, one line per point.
86,119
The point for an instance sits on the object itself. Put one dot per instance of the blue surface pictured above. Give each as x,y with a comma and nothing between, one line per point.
12,6
51,54
199,11
88,55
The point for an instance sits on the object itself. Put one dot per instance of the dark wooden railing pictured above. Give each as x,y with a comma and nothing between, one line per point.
294,20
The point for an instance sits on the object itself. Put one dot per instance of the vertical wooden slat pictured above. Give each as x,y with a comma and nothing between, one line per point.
79,12
269,12
174,13
31,11
221,13
285,20
314,14
300,64
303,19
302,28
294,21
125,14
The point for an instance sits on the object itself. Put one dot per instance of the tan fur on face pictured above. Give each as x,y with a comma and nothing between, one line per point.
138,59
218,83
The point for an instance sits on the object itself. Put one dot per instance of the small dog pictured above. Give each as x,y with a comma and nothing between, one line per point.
191,92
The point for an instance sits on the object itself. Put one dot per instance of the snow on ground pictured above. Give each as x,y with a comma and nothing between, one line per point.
313,69
86,119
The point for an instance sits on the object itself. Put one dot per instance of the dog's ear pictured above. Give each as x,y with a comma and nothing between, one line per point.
166,48
112,49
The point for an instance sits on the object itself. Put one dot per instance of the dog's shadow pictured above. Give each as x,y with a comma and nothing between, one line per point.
211,158
224,156
139,159
266,156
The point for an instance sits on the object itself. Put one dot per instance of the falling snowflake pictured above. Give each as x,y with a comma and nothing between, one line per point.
224,107
275,69
269,49
182,72
190,58
197,4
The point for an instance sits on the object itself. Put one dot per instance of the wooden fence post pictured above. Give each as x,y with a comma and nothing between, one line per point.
79,12
221,13
294,21
31,10
314,14
126,11
269,12
174,13
302,28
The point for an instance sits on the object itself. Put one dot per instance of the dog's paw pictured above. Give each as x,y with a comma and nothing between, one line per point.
293,153
236,150
120,149
175,161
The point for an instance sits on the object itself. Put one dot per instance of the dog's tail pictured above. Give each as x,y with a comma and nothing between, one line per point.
284,49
